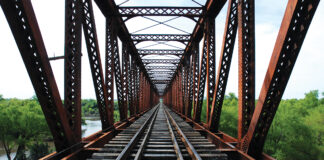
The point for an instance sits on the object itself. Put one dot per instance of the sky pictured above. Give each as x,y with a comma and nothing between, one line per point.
307,74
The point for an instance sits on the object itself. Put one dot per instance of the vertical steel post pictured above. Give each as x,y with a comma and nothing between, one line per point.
210,65
224,65
24,27
72,65
246,88
294,26
90,33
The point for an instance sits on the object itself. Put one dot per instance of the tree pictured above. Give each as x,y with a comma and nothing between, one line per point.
21,123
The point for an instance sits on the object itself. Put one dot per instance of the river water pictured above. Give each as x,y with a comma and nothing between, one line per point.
93,125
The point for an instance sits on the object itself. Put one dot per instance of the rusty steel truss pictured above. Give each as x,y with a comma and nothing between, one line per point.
183,77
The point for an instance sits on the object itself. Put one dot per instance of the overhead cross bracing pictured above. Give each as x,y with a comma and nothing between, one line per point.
152,53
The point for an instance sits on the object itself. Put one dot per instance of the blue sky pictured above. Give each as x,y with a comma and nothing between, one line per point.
307,74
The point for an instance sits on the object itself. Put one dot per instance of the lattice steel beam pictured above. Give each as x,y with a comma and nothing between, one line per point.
171,61
109,8
246,89
145,52
90,33
159,72
161,67
111,50
224,65
160,37
202,76
160,82
125,70
72,65
23,24
213,7
119,85
210,65
160,11
294,26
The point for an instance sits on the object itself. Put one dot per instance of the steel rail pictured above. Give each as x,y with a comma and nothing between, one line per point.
126,151
138,155
190,148
174,140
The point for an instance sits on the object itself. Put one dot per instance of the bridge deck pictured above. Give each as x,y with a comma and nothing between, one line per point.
164,135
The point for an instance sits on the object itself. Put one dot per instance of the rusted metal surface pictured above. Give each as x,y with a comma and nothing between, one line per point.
210,64
178,77
145,52
224,65
202,76
72,68
125,76
160,11
160,37
22,21
90,34
111,47
294,26
246,49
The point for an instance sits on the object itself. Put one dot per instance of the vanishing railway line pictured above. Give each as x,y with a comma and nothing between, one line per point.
159,134
182,74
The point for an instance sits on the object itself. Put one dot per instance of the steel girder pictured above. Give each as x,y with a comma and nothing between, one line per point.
224,65
213,7
160,11
131,88
119,85
111,50
294,26
161,67
190,87
159,72
160,37
109,8
195,72
125,77
145,52
95,64
207,68
210,64
167,61
72,65
160,81
246,88
23,24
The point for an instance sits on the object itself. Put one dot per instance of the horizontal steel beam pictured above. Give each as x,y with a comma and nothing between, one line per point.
109,8
145,52
213,7
161,67
160,37
160,72
173,61
160,11
160,82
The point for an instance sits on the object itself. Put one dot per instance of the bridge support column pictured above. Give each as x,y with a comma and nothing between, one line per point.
224,65
294,26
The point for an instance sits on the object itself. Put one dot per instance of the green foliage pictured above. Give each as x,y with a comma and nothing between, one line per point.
38,150
21,122
90,109
297,131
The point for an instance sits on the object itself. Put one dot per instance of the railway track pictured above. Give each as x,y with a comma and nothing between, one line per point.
159,134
